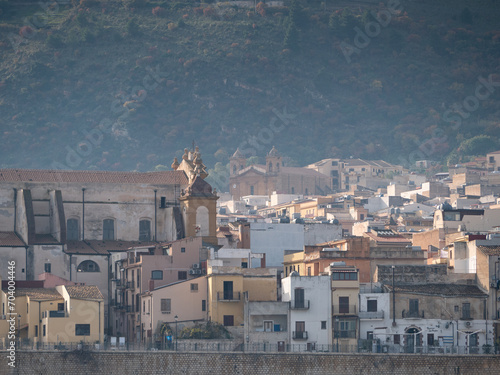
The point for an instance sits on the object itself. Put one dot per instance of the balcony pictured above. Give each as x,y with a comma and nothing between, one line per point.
299,335
124,308
345,334
344,310
413,314
228,296
300,305
365,315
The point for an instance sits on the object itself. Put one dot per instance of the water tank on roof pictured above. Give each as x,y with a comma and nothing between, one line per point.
338,264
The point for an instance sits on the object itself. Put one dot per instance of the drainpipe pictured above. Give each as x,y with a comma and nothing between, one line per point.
15,210
393,300
70,266
83,214
155,214
109,297
99,302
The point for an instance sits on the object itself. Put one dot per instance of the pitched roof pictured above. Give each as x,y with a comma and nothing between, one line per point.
45,239
41,175
10,239
200,188
446,290
490,250
40,294
84,292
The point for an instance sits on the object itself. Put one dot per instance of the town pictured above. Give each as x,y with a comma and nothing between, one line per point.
342,255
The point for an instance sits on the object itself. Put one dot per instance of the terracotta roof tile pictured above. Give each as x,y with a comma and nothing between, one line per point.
41,175
490,250
45,239
41,294
449,290
84,292
10,239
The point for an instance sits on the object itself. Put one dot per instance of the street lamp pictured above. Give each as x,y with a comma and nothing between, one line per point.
176,318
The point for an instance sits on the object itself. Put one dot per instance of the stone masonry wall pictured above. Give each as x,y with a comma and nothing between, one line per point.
125,363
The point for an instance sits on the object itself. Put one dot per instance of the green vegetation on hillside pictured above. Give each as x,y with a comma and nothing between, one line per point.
126,85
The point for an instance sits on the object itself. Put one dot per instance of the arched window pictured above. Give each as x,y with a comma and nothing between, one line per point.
145,230
88,266
72,230
234,169
270,167
108,229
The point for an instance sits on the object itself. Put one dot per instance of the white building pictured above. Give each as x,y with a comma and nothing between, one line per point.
310,311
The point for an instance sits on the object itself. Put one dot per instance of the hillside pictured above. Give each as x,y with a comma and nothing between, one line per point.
128,84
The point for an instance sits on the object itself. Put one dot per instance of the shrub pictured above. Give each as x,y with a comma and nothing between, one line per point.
54,41
159,12
172,26
26,32
261,8
132,27
209,12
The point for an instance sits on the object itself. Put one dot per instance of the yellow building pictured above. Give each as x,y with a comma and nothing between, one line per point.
229,286
64,314
345,291
294,261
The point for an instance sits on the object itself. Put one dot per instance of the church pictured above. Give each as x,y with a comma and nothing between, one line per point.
68,223
274,176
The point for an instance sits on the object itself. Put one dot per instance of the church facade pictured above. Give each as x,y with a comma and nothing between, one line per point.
274,176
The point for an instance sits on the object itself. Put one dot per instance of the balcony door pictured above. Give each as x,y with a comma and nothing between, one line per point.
299,298
228,290
344,305
300,328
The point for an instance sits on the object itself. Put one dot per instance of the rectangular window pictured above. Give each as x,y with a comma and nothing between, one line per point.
203,305
396,339
60,307
194,287
414,306
299,298
47,267
372,305
108,229
144,230
72,230
430,339
36,331
228,290
183,249
228,320
182,275
44,330
308,271
157,275
268,325
344,305
82,329
369,335
165,305
251,190
466,311
323,324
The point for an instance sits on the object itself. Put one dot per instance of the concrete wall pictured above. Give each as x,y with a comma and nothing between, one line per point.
125,363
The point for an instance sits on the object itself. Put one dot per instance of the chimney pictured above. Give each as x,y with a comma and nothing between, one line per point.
263,261
151,285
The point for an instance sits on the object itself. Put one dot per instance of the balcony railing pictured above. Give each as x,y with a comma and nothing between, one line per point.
57,314
228,296
371,315
413,314
344,310
300,305
347,334
299,335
